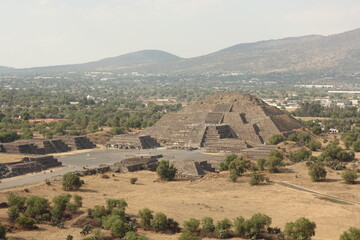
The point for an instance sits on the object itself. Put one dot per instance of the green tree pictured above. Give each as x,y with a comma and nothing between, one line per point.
224,166
237,167
351,234
166,171
301,229
356,146
207,224
115,203
2,232
222,228
276,139
13,213
16,200
299,156
349,177
192,225
25,222
146,216
256,178
159,223
314,145
36,207
317,172
71,182
261,163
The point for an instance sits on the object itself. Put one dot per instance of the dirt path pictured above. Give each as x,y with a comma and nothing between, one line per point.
288,185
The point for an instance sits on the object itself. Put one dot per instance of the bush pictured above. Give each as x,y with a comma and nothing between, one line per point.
258,221
2,231
119,228
317,172
261,163
299,156
356,146
237,167
145,217
159,222
224,166
208,225
36,206
301,229
276,139
71,182
133,236
240,227
273,163
351,234
166,171
256,178
314,145
78,200
133,180
115,203
98,212
349,177
222,228
16,200
188,236
25,222
13,213
192,225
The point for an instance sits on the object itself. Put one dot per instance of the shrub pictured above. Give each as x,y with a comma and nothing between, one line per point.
119,228
316,130
349,177
207,225
356,146
188,236
108,221
239,227
301,229
261,163
276,139
192,225
256,178
133,236
145,217
98,212
317,172
25,222
115,203
159,222
351,234
273,163
16,200
36,206
71,182
78,200
2,231
299,156
13,213
133,180
258,221
222,228
237,167
166,171
224,166
314,145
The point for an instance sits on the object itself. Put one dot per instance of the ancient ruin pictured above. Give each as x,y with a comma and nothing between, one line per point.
46,146
28,165
224,122
132,141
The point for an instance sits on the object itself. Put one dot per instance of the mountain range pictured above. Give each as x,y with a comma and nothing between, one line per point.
338,53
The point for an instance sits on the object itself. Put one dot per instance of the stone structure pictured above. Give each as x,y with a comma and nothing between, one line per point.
28,165
46,146
191,168
132,141
136,164
224,122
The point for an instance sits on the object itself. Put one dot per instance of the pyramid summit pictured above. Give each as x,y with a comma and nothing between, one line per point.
224,122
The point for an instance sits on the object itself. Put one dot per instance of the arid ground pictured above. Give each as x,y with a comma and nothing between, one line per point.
213,196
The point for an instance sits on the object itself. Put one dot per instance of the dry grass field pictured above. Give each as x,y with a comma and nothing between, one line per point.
212,196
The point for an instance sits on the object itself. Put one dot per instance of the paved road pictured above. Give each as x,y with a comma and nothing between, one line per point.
93,159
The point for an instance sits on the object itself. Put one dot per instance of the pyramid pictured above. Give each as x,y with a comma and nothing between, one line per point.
224,122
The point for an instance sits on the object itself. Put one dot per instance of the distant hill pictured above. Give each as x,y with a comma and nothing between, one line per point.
3,68
135,60
339,53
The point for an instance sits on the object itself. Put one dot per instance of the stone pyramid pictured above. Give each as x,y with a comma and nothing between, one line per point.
224,122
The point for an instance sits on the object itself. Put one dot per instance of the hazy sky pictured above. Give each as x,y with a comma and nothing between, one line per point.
52,32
